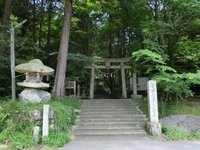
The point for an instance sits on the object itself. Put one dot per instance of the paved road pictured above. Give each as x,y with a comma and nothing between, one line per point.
131,145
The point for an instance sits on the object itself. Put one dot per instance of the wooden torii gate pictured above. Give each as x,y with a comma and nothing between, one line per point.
109,63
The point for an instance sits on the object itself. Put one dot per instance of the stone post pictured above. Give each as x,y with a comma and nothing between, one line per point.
36,134
153,125
45,124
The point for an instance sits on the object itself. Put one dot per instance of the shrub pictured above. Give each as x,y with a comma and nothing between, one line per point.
18,125
178,134
57,139
172,86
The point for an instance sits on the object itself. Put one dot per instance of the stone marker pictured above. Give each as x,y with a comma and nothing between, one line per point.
153,125
45,123
36,134
3,147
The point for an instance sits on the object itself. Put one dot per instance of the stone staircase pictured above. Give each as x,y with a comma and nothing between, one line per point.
110,118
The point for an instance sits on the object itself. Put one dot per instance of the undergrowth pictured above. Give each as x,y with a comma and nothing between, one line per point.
170,108
173,108
178,134
16,126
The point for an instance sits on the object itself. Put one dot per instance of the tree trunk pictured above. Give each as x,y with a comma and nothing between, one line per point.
5,20
41,22
6,12
48,44
34,21
59,85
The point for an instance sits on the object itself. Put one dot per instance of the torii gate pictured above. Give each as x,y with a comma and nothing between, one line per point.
112,63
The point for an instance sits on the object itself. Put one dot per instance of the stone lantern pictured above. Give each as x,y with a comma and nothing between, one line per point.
34,71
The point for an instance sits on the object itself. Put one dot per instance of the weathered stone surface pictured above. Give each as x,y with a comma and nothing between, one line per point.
45,122
153,125
35,66
153,128
34,95
33,85
35,114
188,123
36,134
2,147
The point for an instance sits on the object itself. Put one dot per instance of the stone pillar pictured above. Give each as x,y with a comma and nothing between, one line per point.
153,125
134,85
36,134
123,81
92,82
45,123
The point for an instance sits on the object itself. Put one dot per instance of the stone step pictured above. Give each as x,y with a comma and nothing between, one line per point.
108,100
108,104
111,120
133,137
108,109
104,132
111,116
138,123
109,112
107,126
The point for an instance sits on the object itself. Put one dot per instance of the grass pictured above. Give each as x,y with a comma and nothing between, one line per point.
173,108
178,134
16,125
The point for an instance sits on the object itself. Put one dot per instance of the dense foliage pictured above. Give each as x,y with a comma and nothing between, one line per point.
17,125
171,84
102,28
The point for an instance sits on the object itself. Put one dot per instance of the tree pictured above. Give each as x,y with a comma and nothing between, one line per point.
59,89
5,21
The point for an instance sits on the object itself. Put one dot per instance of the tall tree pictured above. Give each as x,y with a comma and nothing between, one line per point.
48,44
59,89
4,21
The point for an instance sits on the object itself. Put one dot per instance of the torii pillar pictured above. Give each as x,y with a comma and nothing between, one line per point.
92,81
124,93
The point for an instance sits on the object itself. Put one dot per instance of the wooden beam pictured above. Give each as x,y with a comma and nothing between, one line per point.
112,59
111,67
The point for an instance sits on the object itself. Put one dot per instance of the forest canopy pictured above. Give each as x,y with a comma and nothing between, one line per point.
102,28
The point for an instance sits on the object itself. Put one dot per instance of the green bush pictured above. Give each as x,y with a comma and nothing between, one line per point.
171,108
57,139
17,125
22,139
3,116
172,86
178,134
